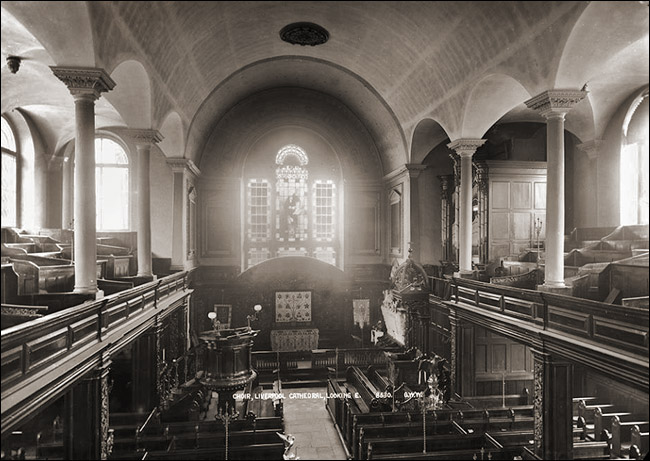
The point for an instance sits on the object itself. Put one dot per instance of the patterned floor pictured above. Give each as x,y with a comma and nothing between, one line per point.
309,422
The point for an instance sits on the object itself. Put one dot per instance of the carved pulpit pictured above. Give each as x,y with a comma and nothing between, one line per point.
406,315
227,362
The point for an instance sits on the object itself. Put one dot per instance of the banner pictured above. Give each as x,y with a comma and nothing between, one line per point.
361,312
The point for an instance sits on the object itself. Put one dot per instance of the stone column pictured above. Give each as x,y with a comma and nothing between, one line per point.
553,105
86,86
144,139
465,148
553,406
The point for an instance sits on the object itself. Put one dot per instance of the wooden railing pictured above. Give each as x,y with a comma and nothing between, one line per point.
31,347
608,325
336,359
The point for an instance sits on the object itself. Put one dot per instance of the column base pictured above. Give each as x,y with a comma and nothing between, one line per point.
465,274
557,289
91,290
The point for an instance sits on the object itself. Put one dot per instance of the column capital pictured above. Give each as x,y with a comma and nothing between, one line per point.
414,169
555,103
466,147
142,136
181,165
84,81
591,148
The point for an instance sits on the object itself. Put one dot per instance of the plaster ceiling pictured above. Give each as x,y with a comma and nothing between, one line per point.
394,64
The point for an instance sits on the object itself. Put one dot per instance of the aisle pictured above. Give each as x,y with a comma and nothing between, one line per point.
309,422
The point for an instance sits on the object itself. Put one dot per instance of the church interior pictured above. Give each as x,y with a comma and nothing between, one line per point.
325,230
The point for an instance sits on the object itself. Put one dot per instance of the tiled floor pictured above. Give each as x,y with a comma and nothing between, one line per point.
309,422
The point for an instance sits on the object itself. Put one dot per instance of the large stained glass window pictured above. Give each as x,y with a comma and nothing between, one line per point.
294,218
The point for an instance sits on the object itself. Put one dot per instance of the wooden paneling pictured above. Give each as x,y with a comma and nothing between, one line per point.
498,358
517,196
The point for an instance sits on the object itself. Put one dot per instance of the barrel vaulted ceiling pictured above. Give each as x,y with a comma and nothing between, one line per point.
414,73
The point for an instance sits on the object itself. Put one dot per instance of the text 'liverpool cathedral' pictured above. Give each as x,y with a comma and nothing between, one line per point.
411,230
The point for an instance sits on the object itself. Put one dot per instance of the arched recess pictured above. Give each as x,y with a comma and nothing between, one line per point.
322,123
616,33
32,171
427,134
357,95
491,98
131,96
634,163
605,29
172,144
67,35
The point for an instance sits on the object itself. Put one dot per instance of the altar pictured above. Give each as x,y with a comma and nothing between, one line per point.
289,340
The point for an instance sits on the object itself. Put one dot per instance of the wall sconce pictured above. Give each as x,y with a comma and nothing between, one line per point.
13,63
257,309
215,323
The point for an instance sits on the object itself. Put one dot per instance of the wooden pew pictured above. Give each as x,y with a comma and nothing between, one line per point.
476,420
587,410
591,450
197,439
515,438
9,292
603,420
639,439
493,401
376,431
380,447
368,391
261,452
621,434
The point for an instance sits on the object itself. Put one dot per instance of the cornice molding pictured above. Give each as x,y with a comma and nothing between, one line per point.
182,165
591,148
143,136
84,80
555,102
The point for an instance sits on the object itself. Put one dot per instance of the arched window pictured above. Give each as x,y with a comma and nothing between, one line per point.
9,176
634,164
112,185
296,217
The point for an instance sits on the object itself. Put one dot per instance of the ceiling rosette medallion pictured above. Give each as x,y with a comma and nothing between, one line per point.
304,33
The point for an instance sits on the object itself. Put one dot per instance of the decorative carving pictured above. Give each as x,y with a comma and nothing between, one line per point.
84,80
481,176
538,404
304,33
466,146
453,335
142,136
106,443
410,275
555,101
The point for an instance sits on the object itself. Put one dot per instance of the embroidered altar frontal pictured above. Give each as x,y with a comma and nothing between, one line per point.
305,339
293,306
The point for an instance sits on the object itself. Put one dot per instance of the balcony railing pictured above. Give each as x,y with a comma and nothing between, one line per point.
607,325
33,346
